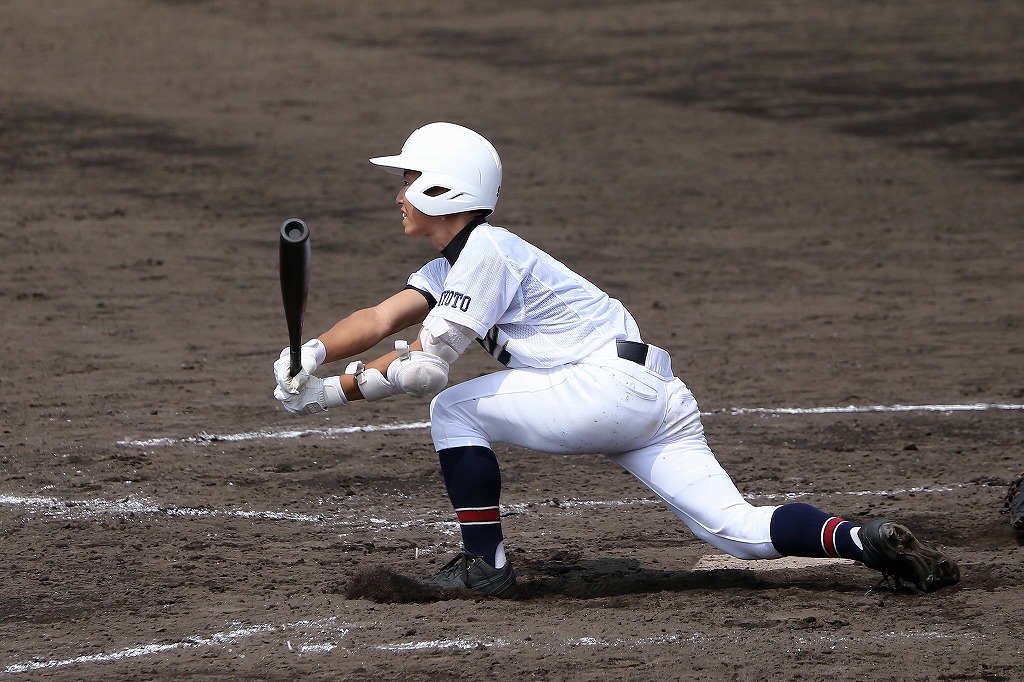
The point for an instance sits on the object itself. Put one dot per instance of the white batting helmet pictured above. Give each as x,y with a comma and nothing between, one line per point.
451,158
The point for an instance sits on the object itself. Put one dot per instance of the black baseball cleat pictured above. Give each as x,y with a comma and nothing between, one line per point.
469,572
891,548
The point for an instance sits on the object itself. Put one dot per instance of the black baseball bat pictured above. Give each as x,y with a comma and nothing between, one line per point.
294,283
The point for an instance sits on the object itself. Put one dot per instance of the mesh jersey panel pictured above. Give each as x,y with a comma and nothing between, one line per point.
528,309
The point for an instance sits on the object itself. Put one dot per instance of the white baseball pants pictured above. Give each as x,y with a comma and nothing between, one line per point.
642,417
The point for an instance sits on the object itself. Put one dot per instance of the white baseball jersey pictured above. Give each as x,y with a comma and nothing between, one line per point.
528,309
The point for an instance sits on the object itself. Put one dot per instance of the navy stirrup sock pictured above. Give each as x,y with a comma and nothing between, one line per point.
473,480
803,530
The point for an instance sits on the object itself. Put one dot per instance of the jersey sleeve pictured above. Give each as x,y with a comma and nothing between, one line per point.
480,287
429,280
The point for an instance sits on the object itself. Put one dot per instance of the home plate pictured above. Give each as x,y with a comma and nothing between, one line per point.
711,562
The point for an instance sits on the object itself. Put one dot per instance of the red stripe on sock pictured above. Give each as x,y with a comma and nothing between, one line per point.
478,515
828,536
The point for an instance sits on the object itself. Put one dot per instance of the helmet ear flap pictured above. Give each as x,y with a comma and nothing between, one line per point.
436,194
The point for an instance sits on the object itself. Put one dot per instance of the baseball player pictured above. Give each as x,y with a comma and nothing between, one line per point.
578,378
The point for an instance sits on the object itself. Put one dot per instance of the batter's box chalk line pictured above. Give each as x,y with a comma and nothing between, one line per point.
310,637
325,628
857,409
348,523
268,434
333,432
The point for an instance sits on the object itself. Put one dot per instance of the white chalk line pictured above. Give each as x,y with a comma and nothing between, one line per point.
331,432
857,409
269,434
196,642
333,632
135,506
855,493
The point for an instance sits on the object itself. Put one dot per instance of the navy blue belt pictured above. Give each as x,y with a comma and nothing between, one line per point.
632,351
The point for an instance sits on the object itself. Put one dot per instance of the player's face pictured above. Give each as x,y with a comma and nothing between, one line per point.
415,221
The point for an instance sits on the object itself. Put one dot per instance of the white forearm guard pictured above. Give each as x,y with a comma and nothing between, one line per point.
372,384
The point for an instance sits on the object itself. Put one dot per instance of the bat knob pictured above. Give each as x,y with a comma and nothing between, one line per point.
294,230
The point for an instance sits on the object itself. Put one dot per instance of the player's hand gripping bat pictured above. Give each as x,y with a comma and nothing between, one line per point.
294,284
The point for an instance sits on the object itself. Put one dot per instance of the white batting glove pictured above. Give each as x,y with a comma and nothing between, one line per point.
315,396
313,353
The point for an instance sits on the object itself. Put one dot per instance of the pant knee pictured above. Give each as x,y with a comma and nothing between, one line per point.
451,425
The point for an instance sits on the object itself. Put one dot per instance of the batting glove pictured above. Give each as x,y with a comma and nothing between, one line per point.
315,396
313,353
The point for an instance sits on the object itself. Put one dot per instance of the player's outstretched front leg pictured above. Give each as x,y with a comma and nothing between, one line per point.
891,548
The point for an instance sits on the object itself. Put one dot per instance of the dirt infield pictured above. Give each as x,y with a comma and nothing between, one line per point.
811,206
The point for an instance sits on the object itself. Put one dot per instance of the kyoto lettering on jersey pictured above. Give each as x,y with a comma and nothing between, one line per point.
453,299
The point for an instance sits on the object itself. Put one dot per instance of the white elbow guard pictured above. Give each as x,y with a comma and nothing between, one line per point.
417,373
